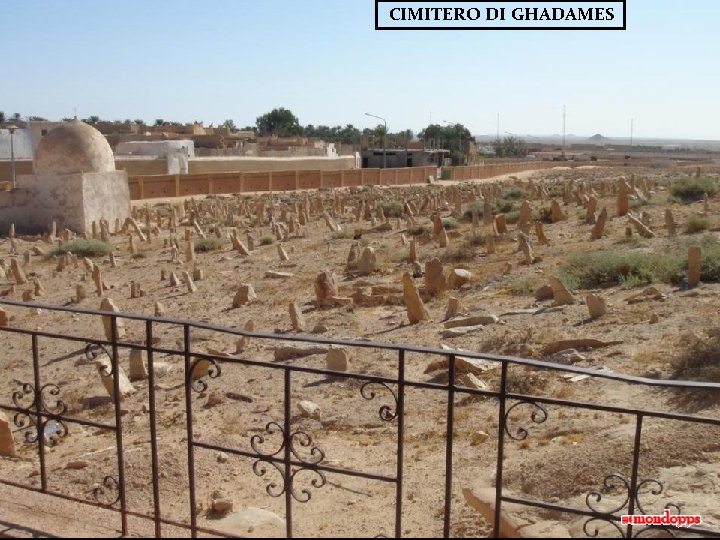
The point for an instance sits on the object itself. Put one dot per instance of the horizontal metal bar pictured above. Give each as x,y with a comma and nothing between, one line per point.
296,463
364,344
53,416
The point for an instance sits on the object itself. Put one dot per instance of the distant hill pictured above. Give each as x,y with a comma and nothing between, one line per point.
598,139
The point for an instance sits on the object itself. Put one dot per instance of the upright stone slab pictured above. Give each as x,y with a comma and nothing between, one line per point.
435,282
325,289
138,365
336,359
416,311
106,304
296,317
623,199
245,295
596,305
670,222
560,293
7,443
599,227
368,261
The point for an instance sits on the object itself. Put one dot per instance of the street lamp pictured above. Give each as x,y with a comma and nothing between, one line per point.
384,137
11,128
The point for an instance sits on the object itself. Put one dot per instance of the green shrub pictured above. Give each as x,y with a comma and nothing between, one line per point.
266,240
695,224
464,251
477,206
525,286
418,230
83,248
545,215
635,268
514,194
211,243
341,235
512,217
450,223
391,208
628,268
693,189
700,361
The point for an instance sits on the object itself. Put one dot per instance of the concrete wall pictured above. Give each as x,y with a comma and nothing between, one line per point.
73,201
22,143
162,186
156,148
232,164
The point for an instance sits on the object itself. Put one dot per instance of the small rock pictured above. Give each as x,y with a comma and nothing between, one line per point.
319,328
336,359
309,409
478,437
77,464
222,457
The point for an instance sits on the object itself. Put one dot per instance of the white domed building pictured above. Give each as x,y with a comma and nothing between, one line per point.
75,183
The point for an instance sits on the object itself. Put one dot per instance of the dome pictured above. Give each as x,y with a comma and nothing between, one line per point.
73,148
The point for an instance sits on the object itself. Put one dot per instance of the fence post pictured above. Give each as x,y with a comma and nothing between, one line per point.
177,185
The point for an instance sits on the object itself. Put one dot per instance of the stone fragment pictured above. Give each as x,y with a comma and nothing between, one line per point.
560,293
282,253
278,275
458,277
623,200
640,227
599,227
596,306
296,317
453,308
187,278
336,359
556,213
106,377
416,311
7,443
483,501
368,261
435,282
472,320
138,365
244,295
325,289
17,273
309,409
106,304
669,222
580,343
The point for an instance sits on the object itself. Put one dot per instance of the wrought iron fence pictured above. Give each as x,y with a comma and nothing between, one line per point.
42,416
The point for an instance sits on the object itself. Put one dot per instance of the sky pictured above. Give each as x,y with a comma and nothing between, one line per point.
212,60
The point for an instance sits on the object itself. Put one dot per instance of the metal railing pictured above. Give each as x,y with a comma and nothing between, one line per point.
40,413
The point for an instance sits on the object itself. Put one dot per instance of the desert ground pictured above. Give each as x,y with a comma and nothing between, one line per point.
649,319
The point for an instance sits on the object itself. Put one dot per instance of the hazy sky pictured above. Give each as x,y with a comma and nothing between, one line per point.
216,59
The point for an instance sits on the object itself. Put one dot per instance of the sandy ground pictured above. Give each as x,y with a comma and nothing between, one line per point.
560,461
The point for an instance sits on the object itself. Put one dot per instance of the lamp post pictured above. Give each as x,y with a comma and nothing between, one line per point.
384,138
11,128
